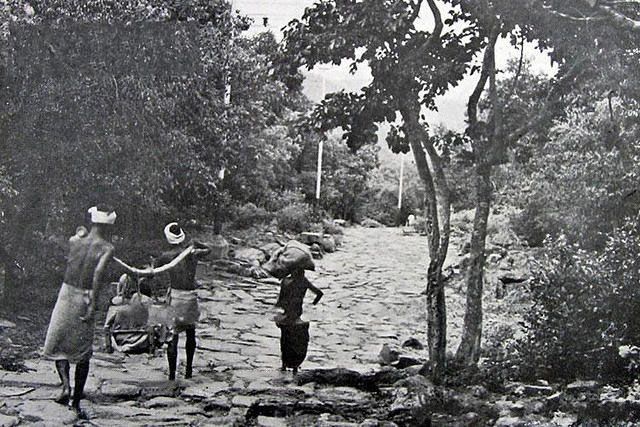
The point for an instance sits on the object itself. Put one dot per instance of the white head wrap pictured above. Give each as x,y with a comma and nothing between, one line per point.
174,239
100,217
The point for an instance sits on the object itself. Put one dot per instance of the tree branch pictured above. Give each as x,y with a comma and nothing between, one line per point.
620,18
514,85
571,17
552,97
437,16
442,191
474,98
437,29
416,9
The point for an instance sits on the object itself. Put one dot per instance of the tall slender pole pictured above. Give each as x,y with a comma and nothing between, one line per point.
319,173
401,180
320,148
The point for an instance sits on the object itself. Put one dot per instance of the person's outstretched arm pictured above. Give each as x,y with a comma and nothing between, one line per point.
156,270
200,249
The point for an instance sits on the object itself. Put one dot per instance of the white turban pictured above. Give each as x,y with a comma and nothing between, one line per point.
100,217
174,239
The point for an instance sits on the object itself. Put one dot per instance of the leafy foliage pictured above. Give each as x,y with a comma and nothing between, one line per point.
586,306
582,184
124,103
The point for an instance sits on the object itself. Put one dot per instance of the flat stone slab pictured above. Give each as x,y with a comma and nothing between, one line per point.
120,390
162,402
204,390
8,421
46,411
263,421
343,395
244,401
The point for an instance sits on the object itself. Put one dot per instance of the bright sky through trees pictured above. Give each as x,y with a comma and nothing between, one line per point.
451,106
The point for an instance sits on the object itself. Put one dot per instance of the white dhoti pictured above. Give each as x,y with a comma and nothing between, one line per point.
69,337
186,310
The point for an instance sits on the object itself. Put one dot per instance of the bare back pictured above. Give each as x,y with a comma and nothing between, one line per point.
182,275
85,254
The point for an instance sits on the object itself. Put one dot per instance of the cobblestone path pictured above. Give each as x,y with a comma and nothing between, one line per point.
372,289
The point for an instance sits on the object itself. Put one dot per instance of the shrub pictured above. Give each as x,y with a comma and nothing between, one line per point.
249,214
534,224
586,306
284,199
423,225
296,218
328,227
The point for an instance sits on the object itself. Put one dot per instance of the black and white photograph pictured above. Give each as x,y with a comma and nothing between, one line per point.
320,213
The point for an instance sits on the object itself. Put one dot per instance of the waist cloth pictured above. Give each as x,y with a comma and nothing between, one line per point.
69,337
186,310
294,341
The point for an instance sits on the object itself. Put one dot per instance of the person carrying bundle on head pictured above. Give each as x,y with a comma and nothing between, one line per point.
289,264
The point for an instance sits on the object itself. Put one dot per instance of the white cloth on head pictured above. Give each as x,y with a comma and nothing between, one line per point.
100,217
173,238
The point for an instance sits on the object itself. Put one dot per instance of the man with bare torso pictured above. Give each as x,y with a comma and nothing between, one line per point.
70,333
183,298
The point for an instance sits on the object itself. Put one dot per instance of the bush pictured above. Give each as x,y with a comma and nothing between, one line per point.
586,307
284,199
249,214
534,224
295,218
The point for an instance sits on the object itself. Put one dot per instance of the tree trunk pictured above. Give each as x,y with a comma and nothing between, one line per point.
469,350
484,147
437,241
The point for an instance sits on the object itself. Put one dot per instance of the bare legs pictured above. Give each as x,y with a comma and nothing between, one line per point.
81,374
172,356
62,366
172,353
82,371
191,350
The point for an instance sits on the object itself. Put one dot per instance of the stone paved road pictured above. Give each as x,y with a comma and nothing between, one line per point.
372,296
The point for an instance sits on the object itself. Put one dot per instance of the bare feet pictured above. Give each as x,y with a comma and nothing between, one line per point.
82,415
63,399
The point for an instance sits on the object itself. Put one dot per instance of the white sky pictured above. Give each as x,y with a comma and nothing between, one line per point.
451,106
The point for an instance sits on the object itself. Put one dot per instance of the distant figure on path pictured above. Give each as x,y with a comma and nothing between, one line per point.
294,338
183,297
70,334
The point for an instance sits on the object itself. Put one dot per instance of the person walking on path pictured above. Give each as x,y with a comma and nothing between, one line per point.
69,337
294,338
183,297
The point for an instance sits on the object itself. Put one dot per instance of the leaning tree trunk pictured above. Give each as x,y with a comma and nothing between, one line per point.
437,243
469,350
